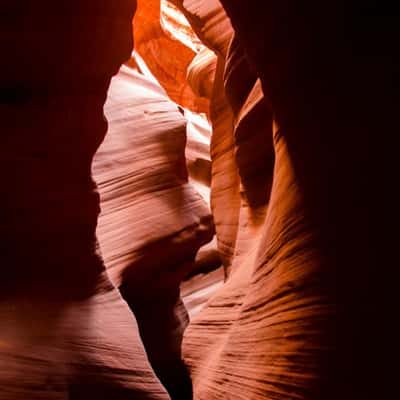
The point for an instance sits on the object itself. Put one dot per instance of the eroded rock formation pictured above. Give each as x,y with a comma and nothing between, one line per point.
284,90
284,322
286,315
65,330
153,221
166,56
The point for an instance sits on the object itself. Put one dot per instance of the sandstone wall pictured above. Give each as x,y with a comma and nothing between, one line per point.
65,330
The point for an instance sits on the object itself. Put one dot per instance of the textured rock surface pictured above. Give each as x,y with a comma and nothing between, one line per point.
241,145
269,302
209,20
213,27
62,348
65,330
166,56
153,221
197,290
289,181
291,320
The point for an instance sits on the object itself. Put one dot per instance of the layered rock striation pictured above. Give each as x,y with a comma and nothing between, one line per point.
65,330
292,310
152,221
285,91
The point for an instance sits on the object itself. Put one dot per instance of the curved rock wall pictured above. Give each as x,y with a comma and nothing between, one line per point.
291,312
242,157
284,90
211,24
153,221
320,67
165,55
151,218
65,330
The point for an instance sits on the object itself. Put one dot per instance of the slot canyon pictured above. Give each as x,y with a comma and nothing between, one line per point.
185,198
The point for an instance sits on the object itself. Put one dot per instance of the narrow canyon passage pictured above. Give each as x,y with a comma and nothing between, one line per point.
184,206
153,221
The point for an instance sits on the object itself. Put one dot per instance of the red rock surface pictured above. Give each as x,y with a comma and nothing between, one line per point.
65,330
291,313
213,27
152,221
165,55
62,348
285,91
